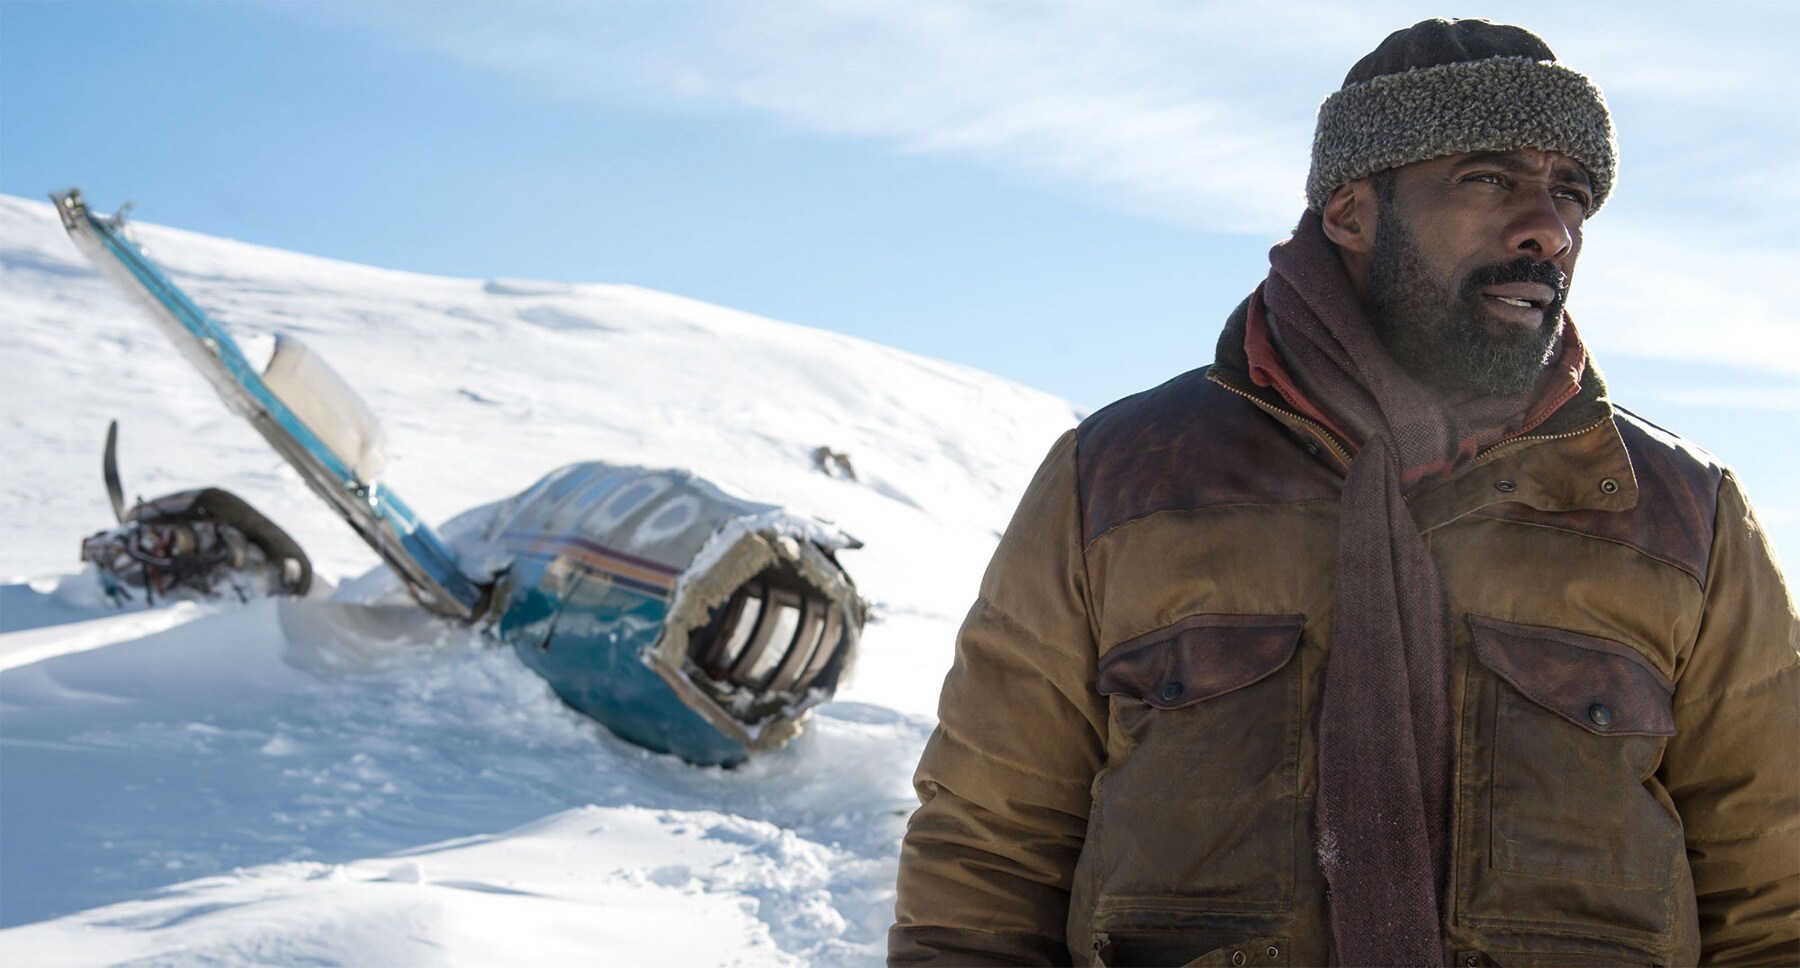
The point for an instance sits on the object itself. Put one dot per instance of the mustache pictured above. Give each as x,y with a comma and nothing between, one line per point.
1522,269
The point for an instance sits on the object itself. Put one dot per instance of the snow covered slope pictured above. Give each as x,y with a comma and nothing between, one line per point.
246,784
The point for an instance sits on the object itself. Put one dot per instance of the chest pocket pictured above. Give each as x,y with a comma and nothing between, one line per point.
1198,800
1579,728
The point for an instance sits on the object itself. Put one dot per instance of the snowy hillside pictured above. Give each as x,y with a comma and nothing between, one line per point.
249,784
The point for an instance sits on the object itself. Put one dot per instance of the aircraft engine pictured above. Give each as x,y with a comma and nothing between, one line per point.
206,544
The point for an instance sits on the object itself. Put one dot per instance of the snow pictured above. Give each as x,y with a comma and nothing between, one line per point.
320,782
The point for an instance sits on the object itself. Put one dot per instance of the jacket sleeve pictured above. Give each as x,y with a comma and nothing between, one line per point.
1733,767
1003,785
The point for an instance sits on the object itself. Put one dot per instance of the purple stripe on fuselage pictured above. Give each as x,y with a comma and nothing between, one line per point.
623,581
597,548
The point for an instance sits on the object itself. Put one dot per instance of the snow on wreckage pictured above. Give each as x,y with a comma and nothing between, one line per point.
683,618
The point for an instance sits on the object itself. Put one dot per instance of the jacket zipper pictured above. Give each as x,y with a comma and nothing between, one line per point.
1318,430
1487,454
1329,441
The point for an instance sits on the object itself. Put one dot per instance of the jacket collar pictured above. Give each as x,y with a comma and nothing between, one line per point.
1574,460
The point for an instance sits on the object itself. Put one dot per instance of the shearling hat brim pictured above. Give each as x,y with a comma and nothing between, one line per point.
1495,104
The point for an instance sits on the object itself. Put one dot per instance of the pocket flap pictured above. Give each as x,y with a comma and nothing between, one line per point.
1598,684
1199,657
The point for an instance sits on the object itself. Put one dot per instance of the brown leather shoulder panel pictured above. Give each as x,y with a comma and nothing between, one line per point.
1187,445
1678,492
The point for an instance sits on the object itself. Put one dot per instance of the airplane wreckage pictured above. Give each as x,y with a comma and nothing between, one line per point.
684,619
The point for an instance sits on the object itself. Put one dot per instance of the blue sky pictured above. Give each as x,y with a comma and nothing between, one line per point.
1070,195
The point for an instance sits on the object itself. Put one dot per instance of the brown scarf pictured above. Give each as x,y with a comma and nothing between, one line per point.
1385,745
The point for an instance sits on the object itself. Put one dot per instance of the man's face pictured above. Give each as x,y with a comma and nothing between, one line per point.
1471,265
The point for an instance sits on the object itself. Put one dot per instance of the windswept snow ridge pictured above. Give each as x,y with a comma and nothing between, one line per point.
349,782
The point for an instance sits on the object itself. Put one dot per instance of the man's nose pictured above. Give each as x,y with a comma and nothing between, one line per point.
1539,228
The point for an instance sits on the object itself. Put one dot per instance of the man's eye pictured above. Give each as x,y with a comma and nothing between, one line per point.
1578,197
1492,178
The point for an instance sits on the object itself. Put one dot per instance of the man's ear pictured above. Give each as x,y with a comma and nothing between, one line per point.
1349,222
1349,217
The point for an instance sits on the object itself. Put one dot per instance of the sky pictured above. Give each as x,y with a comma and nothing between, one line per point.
1070,195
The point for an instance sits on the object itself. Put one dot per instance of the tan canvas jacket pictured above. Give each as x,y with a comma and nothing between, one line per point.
1125,766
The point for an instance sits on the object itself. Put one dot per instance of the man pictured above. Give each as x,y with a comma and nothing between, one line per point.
1387,638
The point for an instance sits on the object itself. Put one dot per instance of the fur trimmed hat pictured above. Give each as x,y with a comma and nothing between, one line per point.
1443,87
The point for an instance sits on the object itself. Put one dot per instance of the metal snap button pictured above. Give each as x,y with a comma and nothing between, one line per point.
1273,952
1312,447
1505,486
1609,486
1600,713
1472,961
1170,691
1239,958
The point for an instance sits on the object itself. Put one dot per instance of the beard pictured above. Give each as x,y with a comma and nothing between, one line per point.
1441,336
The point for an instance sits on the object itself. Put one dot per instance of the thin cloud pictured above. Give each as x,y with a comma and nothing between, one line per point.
1163,108
1202,115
